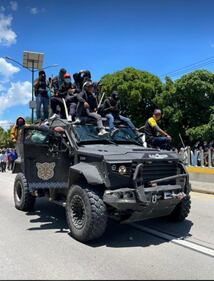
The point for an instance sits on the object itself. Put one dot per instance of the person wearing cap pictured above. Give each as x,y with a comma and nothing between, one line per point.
111,110
152,130
42,97
87,106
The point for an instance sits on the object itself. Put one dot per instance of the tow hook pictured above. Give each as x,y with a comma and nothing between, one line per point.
154,199
179,196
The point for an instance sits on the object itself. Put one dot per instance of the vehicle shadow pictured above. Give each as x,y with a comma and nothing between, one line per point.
48,216
125,235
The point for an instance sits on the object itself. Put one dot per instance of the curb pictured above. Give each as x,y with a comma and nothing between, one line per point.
200,170
199,190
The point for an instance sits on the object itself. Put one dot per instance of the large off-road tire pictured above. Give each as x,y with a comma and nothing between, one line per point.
182,210
23,199
86,213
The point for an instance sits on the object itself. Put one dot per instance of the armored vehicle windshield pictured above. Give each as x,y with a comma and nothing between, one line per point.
88,133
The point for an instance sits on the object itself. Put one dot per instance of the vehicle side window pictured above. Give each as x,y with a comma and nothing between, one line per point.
33,136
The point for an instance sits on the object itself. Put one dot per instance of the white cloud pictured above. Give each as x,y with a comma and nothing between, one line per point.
2,87
34,11
7,69
19,93
7,35
13,5
6,124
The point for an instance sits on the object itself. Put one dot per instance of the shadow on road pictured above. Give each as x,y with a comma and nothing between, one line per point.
49,216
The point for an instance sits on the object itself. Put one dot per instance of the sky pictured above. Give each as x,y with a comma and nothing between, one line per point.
104,36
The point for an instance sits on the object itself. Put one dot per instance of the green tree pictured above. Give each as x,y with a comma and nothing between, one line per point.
203,132
137,90
187,105
5,140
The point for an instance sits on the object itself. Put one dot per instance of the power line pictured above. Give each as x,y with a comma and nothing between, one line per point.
191,69
190,66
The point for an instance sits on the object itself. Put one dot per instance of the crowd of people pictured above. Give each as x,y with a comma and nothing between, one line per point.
201,153
7,158
77,99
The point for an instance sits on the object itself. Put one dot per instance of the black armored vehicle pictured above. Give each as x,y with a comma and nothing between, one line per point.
99,177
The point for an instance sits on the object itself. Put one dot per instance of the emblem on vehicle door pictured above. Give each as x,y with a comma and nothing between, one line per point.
45,170
158,156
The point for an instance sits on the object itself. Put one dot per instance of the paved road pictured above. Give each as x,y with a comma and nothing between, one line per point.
37,245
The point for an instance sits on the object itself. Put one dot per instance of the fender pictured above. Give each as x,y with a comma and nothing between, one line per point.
88,171
17,167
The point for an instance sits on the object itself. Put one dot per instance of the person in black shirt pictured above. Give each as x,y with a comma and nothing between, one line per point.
71,93
66,91
87,106
58,81
111,109
42,98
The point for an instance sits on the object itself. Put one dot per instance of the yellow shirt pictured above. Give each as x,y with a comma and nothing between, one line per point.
152,122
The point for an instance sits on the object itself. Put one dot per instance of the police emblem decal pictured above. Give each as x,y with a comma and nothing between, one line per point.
45,170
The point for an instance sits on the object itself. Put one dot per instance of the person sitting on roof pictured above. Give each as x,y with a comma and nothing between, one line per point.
111,110
152,129
66,91
80,78
87,106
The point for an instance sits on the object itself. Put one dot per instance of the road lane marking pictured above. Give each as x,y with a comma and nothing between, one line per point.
173,239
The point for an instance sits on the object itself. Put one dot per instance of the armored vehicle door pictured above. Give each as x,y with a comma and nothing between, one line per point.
46,158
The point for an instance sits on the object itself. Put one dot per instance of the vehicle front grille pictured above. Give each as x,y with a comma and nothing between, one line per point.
153,170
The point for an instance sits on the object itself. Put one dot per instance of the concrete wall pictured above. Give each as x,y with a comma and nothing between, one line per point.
201,174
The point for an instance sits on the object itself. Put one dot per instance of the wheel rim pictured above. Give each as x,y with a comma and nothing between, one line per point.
78,214
18,191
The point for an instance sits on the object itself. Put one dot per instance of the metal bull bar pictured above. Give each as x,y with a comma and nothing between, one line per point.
141,191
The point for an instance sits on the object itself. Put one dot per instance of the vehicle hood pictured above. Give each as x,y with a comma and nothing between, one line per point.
126,152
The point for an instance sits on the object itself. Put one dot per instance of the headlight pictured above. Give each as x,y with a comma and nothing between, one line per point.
122,170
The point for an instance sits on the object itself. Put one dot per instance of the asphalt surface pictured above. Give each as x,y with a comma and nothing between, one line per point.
37,245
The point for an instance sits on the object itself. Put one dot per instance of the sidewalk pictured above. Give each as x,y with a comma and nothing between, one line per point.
202,187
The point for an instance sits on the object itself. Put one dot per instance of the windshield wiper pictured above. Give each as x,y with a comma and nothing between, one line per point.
132,141
102,140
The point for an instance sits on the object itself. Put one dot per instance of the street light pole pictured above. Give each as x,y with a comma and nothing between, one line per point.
32,116
32,70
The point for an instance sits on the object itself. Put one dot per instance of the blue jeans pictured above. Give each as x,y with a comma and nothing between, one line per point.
42,101
161,142
111,119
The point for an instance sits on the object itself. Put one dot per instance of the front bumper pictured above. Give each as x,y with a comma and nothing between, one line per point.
141,197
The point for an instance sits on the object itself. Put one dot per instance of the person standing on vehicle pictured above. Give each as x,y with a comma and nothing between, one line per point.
58,81
42,97
87,106
152,130
56,100
111,110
